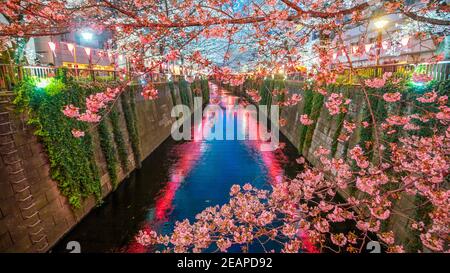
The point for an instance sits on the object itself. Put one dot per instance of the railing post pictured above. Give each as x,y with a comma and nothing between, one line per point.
19,73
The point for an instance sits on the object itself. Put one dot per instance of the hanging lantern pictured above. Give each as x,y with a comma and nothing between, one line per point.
121,59
385,45
355,49
52,46
334,56
405,41
88,51
110,56
368,47
70,47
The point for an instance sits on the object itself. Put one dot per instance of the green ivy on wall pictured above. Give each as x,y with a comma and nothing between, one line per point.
204,86
71,159
316,108
108,151
129,112
184,91
308,98
442,89
119,140
172,92
340,124
265,91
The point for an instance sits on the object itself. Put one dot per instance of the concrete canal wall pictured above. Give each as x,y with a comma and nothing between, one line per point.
326,130
34,214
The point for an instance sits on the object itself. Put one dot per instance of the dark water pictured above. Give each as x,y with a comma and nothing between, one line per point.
177,181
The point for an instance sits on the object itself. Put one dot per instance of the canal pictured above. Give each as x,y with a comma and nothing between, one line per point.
177,181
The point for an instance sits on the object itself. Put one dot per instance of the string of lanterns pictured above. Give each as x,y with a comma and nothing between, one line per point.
368,47
71,47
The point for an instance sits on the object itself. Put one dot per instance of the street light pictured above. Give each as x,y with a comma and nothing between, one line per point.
87,35
380,24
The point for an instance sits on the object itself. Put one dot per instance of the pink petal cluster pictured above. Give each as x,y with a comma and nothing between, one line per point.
77,133
237,81
421,78
254,95
336,103
71,111
305,120
392,97
149,92
375,83
94,103
428,97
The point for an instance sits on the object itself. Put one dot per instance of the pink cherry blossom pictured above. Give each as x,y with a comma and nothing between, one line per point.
421,78
335,103
339,239
71,111
90,117
392,97
77,133
305,120
375,83
149,93
428,97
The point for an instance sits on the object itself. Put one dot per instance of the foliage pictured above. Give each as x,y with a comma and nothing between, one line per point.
340,124
205,90
108,151
307,108
72,162
127,100
317,103
184,92
119,140
172,92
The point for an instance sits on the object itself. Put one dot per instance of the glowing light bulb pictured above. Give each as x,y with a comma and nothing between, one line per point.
87,35
43,83
381,23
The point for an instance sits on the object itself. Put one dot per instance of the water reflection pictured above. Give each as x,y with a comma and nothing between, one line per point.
177,181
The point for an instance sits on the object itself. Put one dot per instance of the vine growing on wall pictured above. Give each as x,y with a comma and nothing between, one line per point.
119,140
316,108
172,92
340,123
205,90
307,107
71,159
108,151
184,91
127,101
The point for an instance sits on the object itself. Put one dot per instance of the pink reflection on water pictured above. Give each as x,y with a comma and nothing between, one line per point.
191,151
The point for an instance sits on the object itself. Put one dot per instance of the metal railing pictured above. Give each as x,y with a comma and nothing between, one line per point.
11,75
439,71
